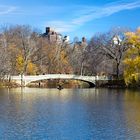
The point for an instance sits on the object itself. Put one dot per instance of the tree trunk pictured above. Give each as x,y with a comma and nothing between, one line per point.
117,70
81,69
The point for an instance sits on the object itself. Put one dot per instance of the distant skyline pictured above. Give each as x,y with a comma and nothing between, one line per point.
74,18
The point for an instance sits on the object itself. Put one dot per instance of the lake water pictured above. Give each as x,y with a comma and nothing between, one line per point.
69,114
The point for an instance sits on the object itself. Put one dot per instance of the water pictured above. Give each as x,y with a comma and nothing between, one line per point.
78,114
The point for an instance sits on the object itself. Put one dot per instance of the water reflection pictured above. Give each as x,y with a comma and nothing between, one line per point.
69,114
132,110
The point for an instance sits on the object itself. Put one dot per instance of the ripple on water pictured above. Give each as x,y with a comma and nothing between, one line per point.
80,114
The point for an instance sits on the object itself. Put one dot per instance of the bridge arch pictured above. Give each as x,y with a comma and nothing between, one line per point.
24,80
91,83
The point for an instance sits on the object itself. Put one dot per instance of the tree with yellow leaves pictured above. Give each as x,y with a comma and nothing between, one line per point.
132,59
19,64
31,68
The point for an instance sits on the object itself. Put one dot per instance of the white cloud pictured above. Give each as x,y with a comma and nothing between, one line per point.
90,13
62,26
4,10
70,17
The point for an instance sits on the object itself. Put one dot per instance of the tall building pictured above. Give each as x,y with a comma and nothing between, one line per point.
81,45
54,37
84,42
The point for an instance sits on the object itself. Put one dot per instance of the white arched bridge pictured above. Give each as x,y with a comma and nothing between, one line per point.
24,80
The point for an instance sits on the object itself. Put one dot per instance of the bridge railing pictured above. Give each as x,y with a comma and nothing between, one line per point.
57,76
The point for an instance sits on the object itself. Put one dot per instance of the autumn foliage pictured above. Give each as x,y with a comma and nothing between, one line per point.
132,58
24,51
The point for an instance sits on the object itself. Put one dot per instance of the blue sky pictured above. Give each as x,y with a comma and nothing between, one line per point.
73,17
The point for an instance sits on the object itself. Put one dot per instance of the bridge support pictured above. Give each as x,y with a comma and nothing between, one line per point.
22,83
